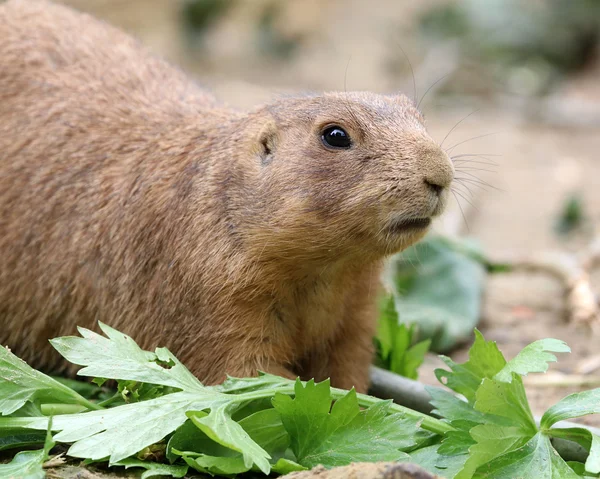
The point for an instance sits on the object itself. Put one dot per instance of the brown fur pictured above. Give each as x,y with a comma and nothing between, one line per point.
129,195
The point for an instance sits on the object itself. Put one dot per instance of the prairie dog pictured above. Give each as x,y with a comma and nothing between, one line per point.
242,241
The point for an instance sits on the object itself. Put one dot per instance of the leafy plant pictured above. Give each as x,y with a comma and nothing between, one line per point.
225,429
271,424
397,349
438,285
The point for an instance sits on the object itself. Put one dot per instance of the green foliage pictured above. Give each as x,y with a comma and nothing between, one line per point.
572,215
397,349
29,464
496,435
199,15
226,429
438,285
507,38
269,424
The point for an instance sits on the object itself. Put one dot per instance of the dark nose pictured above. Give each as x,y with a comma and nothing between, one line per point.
434,187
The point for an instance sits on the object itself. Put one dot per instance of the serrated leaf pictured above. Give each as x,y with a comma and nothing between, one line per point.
574,405
338,438
117,356
533,358
450,407
485,361
536,459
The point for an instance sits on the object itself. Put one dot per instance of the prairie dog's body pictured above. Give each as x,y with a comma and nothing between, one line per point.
241,241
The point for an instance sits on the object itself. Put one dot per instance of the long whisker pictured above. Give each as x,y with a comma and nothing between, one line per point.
473,168
461,211
471,139
477,162
477,179
466,190
467,200
411,71
462,155
429,89
455,126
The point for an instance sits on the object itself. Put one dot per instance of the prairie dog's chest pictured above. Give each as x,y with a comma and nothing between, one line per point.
313,313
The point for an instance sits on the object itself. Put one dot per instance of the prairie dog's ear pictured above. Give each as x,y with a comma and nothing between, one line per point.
267,141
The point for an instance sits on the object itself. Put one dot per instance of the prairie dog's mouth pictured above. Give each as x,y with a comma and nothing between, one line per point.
409,224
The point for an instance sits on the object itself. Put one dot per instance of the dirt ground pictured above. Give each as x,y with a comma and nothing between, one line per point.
541,163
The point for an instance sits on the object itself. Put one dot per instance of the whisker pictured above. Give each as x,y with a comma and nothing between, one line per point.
461,211
462,155
471,139
488,163
429,89
467,200
473,168
476,178
411,71
455,126
466,189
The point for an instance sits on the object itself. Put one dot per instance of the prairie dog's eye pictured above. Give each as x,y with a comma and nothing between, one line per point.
336,137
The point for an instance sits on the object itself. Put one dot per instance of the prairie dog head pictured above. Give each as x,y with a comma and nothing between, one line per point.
346,173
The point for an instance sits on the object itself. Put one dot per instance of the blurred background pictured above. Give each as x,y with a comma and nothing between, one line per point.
512,88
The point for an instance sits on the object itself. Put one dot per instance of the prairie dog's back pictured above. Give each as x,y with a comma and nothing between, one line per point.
47,50
94,133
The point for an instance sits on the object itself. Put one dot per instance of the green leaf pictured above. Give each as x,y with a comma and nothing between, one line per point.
266,429
29,464
18,438
286,466
507,400
117,356
189,438
452,408
25,465
432,461
154,468
415,355
217,465
574,405
221,428
491,441
536,459
585,438
334,438
396,350
485,361
439,286
533,358
19,383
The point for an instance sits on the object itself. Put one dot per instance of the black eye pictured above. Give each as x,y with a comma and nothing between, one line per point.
336,137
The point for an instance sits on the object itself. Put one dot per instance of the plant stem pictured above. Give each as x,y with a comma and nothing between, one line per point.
57,409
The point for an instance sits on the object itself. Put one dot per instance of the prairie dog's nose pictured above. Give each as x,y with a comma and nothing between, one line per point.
439,171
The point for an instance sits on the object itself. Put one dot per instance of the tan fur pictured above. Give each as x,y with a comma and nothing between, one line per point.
129,195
